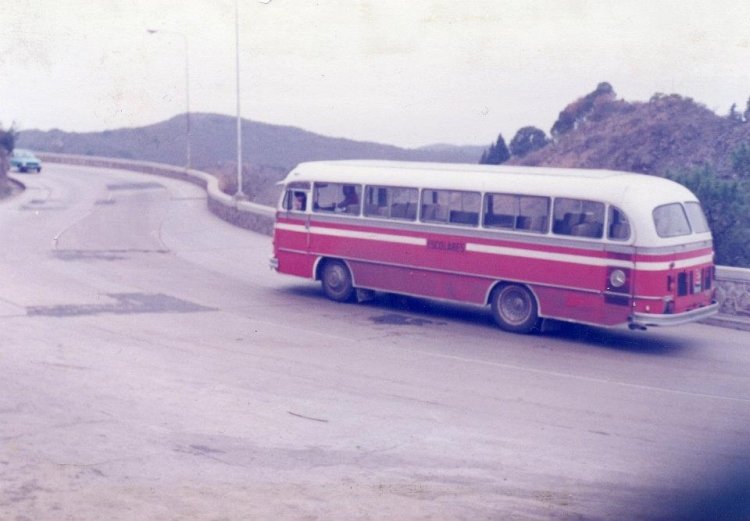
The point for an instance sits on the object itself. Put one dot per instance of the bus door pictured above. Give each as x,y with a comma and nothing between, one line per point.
297,205
291,237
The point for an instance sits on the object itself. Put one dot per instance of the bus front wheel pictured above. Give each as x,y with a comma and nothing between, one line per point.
514,308
337,281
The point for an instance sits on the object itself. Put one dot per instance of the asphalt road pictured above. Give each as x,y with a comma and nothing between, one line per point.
152,367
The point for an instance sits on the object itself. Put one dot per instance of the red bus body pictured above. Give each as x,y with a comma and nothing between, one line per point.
644,280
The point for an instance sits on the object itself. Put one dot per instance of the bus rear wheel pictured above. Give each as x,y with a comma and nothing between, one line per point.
514,308
337,281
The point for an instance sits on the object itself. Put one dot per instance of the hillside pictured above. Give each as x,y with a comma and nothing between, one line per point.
662,135
214,141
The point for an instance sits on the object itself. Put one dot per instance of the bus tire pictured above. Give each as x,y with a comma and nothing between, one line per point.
514,308
336,280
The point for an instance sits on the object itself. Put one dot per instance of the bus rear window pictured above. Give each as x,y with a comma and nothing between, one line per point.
697,218
671,221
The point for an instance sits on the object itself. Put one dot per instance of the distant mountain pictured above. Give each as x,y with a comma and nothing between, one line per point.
213,143
466,150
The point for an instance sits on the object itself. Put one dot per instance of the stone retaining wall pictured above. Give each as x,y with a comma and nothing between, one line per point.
733,291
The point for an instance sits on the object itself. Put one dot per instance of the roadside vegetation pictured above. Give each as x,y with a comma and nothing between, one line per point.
7,142
727,206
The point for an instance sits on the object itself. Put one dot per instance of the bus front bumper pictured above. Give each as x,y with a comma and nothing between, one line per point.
643,320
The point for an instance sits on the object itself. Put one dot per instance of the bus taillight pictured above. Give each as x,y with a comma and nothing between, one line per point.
697,281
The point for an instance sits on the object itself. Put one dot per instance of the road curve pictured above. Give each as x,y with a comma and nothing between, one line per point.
152,367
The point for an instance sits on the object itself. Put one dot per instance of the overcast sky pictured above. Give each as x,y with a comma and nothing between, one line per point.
408,73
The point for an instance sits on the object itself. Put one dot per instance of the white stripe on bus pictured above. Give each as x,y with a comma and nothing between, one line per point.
504,250
353,234
545,255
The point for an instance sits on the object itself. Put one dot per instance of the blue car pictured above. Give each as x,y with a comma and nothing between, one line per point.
25,161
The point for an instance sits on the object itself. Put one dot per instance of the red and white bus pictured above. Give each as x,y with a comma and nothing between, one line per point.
596,247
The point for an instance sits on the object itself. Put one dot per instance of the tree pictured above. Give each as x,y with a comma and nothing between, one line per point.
497,154
577,112
734,115
527,140
741,161
7,142
727,207
7,139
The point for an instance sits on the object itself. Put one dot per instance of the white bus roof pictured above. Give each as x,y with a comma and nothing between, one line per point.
624,189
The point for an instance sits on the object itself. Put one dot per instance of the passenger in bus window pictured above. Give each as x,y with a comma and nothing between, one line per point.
300,201
350,202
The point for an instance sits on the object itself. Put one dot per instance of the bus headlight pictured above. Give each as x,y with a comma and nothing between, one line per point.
617,278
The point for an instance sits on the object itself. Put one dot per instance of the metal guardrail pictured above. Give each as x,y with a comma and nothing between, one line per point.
732,284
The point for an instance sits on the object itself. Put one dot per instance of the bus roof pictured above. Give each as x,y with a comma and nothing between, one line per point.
624,189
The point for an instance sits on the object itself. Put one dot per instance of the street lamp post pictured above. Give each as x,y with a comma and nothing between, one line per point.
188,154
240,194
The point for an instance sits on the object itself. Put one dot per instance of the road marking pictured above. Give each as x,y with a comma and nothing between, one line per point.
591,379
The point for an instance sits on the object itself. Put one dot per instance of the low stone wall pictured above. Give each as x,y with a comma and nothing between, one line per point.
732,284
239,212
4,167
733,291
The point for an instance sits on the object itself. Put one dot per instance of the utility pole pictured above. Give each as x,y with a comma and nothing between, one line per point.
240,194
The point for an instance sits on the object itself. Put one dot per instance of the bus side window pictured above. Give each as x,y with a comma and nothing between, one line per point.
376,200
590,226
451,206
463,208
404,203
391,202
619,227
533,214
337,197
527,213
295,200
500,211
579,218
429,206
350,201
